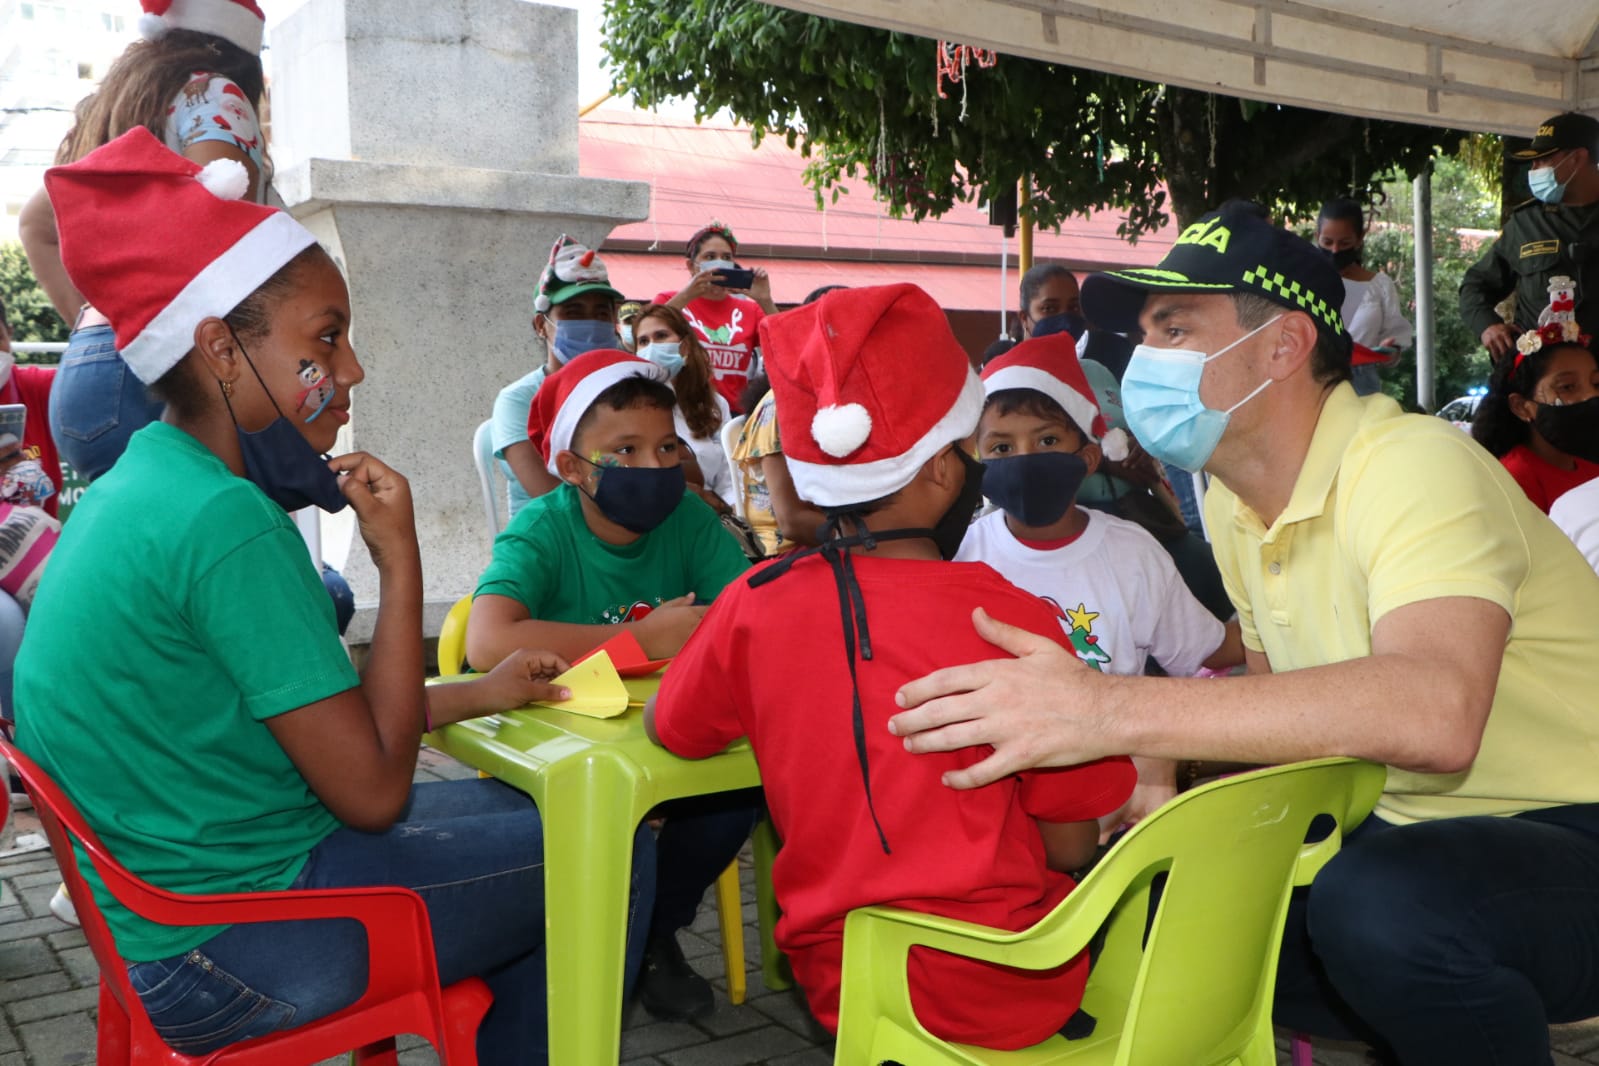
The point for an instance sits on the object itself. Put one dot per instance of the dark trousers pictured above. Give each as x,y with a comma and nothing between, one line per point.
1451,942
701,835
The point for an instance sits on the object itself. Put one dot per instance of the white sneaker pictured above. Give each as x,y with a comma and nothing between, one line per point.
61,906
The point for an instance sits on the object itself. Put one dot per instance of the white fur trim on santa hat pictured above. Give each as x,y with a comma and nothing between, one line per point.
840,484
840,430
1079,408
1116,445
226,19
226,179
583,395
215,291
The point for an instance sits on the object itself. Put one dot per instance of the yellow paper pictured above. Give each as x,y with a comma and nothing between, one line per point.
597,690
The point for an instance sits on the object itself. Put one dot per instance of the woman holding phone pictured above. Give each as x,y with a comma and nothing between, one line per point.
724,304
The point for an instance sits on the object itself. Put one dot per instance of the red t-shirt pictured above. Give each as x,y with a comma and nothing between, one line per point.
1543,481
726,330
769,663
30,386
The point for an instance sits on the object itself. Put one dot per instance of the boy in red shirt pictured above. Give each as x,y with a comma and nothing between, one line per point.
874,400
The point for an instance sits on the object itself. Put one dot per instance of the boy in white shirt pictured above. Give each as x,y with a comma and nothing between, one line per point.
1113,587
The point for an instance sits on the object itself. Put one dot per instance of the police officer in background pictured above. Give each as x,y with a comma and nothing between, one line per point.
1556,232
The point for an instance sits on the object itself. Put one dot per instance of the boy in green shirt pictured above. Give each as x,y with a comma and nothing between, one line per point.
619,545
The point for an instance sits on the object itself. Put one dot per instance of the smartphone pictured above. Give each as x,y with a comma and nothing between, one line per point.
13,420
734,279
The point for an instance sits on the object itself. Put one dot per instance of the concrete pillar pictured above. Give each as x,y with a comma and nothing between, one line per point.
431,145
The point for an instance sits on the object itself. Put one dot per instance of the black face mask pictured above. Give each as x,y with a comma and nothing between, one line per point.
951,529
1066,322
282,463
1345,257
1037,489
637,498
1572,428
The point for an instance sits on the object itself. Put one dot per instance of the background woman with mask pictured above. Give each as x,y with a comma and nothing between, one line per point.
723,304
1541,415
574,311
1371,299
664,338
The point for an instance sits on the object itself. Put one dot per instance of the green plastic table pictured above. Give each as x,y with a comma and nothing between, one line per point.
593,780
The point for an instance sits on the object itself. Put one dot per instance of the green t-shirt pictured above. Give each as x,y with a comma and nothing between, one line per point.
549,561
180,611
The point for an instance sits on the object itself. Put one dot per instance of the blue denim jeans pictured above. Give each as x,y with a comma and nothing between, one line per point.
473,850
1454,941
12,619
96,403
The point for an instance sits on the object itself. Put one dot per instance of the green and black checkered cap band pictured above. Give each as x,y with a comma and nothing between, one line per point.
1276,287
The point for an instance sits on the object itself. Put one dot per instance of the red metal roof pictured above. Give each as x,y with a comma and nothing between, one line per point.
701,172
954,286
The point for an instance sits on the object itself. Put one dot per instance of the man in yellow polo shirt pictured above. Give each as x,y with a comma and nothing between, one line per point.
1401,601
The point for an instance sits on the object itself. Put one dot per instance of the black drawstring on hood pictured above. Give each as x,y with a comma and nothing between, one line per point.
835,548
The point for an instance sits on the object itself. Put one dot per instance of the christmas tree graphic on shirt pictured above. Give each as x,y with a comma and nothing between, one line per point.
1079,626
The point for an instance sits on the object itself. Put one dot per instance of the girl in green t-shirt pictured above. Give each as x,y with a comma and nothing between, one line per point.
227,744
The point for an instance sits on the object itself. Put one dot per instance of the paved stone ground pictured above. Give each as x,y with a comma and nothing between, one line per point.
48,991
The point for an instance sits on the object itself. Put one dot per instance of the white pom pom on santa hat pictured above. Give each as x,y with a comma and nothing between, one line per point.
152,27
1114,445
226,179
841,429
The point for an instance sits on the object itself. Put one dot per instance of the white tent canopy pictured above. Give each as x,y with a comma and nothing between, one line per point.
1500,66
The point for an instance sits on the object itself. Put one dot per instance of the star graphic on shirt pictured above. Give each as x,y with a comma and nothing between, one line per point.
1082,618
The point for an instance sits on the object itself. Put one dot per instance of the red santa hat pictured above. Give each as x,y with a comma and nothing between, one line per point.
870,384
565,395
1049,365
157,243
236,21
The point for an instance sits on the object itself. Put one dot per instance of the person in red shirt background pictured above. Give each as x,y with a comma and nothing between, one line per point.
1540,415
30,386
724,316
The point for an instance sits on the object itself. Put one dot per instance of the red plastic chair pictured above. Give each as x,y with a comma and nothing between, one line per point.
402,994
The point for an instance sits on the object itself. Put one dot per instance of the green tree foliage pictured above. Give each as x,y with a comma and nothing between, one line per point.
1461,201
27,308
864,102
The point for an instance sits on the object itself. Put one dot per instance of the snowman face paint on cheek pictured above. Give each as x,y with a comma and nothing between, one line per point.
316,390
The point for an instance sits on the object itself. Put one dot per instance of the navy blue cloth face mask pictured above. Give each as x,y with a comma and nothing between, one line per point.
282,463
637,498
1035,489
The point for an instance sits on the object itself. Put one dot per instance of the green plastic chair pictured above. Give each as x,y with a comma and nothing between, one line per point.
1198,993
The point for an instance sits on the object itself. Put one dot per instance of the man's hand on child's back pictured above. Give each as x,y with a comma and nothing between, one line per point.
665,630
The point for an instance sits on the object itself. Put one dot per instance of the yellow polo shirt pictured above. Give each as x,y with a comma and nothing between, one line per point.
1391,509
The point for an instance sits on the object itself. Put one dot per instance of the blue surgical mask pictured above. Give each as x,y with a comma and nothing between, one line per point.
282,463
575,336
1545,185
1037,489
625,331
717,264
637,498
668,355
1160,399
